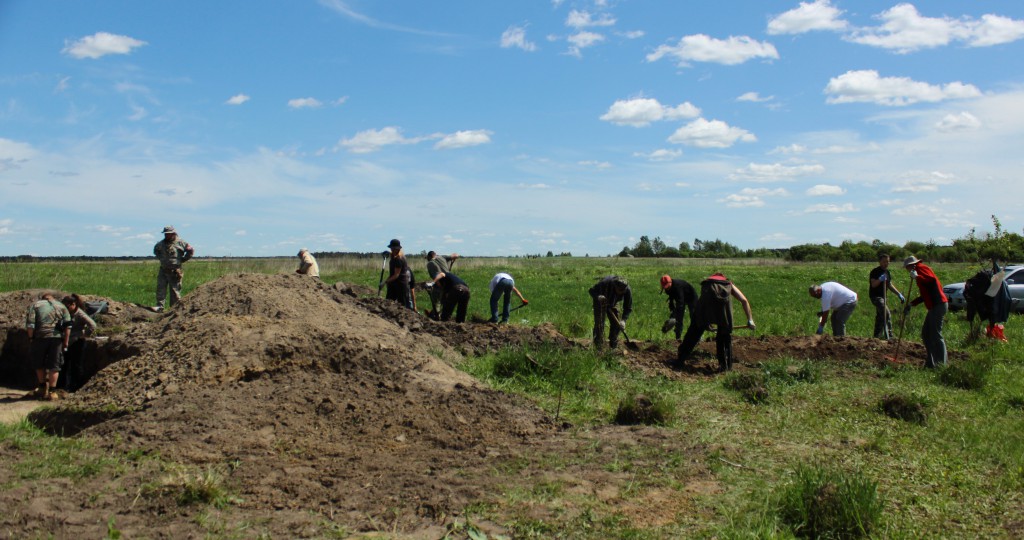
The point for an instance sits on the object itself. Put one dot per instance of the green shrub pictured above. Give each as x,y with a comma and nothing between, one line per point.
823,503
912,408
970,375
742,381
786,372
640,409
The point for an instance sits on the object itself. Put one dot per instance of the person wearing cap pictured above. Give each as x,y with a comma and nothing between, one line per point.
938,305
502,285
454,296
307,264
714,307
837,300
398,276
681,296
609,291
437,264
172,252
880,283
48,325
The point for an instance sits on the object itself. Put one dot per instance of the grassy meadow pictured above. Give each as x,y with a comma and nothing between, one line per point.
955,469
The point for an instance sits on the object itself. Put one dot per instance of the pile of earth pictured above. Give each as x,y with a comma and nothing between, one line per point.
321,405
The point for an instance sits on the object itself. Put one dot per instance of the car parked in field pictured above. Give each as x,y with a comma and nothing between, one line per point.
1014,282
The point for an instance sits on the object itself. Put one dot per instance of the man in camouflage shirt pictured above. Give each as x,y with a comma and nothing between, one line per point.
48,324
172,252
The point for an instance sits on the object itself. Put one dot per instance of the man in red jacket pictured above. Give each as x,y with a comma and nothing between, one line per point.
936,302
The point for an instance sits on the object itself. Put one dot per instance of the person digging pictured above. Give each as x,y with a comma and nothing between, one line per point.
714,307
681,296
605,294
938,305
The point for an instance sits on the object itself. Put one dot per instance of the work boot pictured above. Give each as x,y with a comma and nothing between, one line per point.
999,333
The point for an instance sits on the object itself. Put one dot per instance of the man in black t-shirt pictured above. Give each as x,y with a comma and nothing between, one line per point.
454,296
880,281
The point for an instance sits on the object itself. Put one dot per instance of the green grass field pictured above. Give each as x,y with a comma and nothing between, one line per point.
959,474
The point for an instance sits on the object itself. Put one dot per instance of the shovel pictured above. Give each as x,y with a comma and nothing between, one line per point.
383,266
903,324
517,307
613,314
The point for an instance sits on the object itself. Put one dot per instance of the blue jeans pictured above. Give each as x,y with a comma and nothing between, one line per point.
503,287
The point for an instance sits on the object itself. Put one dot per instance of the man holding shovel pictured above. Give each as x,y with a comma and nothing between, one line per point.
714,307
437,264
609,291
936,302
880,281
502,285
681,296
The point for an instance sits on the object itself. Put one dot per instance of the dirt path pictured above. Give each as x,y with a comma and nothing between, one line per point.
13,408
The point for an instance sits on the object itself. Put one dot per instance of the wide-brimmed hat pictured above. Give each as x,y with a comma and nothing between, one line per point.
394,243
911,260
170,230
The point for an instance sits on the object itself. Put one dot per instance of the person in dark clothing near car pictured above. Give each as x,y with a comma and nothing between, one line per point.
609,291
936,302
454,296
714,306
880,281
681,296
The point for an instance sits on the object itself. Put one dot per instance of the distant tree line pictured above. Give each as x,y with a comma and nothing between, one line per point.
1001,245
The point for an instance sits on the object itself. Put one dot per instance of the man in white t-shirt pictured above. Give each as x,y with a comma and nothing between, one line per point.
502,285
835,299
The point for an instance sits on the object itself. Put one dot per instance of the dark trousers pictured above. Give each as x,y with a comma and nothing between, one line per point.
456,300
398,290
883,319
723,343
931,335
601,308
72,375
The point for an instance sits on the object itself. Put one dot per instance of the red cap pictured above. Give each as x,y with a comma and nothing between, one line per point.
666,282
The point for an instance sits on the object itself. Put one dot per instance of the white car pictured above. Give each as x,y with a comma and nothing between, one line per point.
1014,282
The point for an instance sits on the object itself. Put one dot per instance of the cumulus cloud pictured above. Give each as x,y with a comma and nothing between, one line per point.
14,153
661,154
809,16
237,99
640,112
776,238
822,190
596,164
775,172
582,40
905,30
101,44
463,139
963,121
372,140
865,86
533,186
922,182
710,134
304,103
583,19
703,48
515,37
751,197
754,97
829,208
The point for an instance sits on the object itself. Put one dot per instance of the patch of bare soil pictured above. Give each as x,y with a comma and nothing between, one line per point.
321,406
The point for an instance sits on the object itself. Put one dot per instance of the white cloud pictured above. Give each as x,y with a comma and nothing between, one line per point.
101,44
304,103
661,154
775,172
710,134
515,36
905,30
108,229
5,227
372,140
583,19
632,34
922,182
754,97
822,190
340,101
596,164
703,48
809,16
751,197
639,112
463,139
865,86
14,153
829,208
776,238
237,99
533,186
62,85
582,40
241,232
963,121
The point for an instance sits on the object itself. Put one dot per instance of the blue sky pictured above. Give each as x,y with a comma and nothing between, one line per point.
499,128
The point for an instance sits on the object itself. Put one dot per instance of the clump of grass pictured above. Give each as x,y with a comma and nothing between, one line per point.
912,408
641,409
1017,401
752,386
824,503
970,375
787,372
204,487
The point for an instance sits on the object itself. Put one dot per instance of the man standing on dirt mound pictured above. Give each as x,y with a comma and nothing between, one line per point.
936,302
837,300
681,296
48,324
880,281
609,291
172,252
454,296
399,276
307,264
714,306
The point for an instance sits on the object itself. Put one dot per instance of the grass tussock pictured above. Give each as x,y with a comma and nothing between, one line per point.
909,408
639,409
825,503
205,486
969,375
